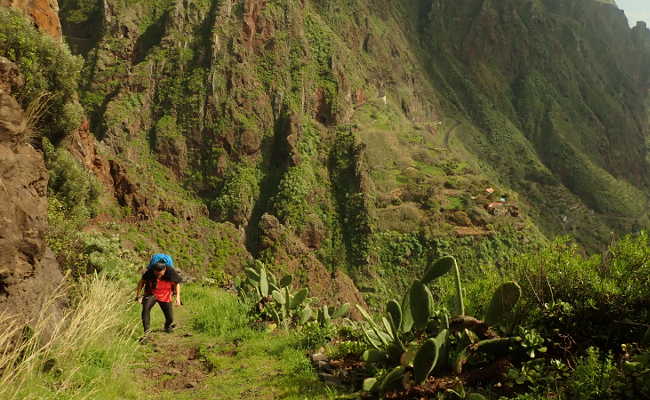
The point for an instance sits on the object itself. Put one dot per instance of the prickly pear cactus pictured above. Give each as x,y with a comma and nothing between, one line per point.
421,299
395,311
503,301
264,283
459,288
425,360
438,269
286,281
342,311
407,315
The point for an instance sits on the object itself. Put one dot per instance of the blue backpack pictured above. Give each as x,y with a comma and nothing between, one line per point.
160,257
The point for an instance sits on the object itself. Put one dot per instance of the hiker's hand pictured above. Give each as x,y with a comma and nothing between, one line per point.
178,302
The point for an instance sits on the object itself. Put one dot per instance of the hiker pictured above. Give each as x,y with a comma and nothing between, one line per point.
161,283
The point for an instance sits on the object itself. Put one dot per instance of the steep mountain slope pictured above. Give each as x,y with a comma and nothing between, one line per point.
558,90
374,135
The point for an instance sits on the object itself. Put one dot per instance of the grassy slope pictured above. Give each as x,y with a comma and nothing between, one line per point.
214,354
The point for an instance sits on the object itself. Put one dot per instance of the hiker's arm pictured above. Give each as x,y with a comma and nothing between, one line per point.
139,288
178,294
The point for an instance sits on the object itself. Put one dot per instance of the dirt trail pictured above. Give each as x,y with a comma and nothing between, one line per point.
174,361
449,133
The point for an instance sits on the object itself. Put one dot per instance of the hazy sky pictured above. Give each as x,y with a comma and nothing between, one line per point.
636,10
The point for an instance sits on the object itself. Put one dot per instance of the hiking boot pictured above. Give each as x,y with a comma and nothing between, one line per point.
170,328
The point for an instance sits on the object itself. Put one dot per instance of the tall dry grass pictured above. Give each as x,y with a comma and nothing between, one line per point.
54,344
37,108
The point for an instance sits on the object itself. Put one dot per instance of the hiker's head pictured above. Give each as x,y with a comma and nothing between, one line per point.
159,269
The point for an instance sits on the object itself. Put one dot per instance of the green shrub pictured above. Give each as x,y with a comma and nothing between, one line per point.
291,200
567,291
313,334
594,377
637,376
82,253
166,127
48,68
107,256
76,188
236,198
80,11
64,239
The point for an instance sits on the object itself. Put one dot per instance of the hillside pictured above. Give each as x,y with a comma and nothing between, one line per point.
346,144
360,132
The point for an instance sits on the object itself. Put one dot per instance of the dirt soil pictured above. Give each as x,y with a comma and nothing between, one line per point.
174,360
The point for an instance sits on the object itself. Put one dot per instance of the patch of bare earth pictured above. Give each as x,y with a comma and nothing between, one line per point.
175,367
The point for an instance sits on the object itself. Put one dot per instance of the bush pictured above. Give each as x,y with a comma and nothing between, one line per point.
107,256
594,377
617,281
236,197
48,68
586,297
76,188
313,334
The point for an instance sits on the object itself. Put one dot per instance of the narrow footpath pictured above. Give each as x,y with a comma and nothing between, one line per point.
186,365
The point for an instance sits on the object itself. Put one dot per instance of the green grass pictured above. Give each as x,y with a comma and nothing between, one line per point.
221,314
265,366
243,362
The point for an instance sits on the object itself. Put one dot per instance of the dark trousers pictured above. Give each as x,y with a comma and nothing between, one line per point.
147,304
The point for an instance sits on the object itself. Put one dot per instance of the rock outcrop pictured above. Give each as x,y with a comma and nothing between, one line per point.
28,269
44,13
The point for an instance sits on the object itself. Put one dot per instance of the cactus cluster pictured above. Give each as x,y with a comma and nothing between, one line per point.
325,318
286,307
396,338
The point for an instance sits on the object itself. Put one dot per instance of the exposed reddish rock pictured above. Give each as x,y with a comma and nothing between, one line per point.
292,132
44,13
250,141
324,109
28,269
313,234
358,97
172,153
10,77
257,29
128,193
82,145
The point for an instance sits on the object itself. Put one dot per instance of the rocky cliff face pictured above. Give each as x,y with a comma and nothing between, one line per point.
29,272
